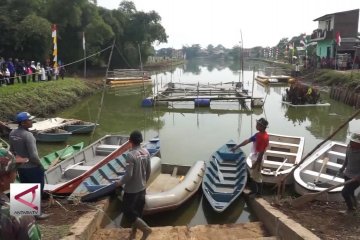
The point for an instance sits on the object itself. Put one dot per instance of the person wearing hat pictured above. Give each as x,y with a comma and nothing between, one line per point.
260,142
20,227
351,170
23,144
136,175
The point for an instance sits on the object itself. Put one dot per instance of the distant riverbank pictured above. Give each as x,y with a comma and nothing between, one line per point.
43,98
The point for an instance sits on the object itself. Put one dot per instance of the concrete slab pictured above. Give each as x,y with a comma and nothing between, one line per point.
278,223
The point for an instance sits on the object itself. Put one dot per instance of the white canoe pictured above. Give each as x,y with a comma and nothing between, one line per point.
309,179
171,185
283,153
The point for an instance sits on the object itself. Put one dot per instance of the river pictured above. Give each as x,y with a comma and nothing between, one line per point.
189,134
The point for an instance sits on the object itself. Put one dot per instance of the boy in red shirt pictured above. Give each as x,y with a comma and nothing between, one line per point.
260,142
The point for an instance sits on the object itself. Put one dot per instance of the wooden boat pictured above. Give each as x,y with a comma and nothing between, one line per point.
282,154
68,174
319,171
80,127
274,79
100,182
225,176
52,135
60,155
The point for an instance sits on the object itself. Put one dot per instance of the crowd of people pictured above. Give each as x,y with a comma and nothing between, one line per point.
22,71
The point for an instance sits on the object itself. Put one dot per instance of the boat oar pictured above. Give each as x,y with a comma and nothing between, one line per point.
298,202
53,163
282,164
221,176
325,161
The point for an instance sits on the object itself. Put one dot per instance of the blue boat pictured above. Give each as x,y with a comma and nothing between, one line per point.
53,135
101,182
225,176
81,127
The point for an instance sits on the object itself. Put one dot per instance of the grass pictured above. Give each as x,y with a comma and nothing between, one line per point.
42,98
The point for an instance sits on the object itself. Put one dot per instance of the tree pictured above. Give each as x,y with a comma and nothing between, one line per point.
33,38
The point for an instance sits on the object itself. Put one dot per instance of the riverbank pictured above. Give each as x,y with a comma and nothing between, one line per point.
43,99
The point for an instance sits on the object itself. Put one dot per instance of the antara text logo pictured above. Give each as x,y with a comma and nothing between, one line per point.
25,199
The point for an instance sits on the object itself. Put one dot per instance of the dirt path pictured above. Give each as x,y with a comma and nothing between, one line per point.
324,219
62,216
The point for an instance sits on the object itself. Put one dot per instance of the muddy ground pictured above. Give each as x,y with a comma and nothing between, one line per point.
325,219
62,216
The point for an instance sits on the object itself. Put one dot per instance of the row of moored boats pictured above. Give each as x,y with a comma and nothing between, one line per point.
87,174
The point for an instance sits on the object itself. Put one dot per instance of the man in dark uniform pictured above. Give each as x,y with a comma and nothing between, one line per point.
14,228
137,173
23,144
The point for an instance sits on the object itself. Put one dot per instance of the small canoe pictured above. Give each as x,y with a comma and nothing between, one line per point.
225,177
100,182
61,154
319,171
52,135
68,174
282,154
80,127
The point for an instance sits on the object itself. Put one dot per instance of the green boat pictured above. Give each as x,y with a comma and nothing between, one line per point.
4,144
60,155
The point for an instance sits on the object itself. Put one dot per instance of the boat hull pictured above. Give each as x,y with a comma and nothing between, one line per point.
62,136
319,172
61,154
83,128
281,156
97,184
225,177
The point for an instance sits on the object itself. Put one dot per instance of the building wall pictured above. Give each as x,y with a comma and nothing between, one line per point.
347,23
322,46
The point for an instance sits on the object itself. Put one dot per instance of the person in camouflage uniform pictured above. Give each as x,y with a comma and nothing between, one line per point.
11,227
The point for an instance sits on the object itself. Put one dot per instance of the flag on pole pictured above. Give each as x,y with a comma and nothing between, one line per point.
83,41
54,37
338,38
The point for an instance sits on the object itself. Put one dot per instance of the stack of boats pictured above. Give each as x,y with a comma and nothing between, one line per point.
54,129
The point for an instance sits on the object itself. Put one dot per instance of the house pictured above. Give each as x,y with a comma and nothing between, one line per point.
337,34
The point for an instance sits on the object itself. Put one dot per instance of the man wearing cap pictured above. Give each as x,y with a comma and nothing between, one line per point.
23,144
136,175
20,227
260,142
352,171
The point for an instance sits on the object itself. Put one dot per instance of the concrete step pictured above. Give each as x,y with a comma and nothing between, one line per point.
252,230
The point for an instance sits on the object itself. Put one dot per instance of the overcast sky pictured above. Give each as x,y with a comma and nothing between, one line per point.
262,22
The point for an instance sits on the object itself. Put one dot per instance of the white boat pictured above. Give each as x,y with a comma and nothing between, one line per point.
319,171
282,154
171,185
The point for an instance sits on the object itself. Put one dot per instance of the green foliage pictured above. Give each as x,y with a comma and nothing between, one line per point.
26,30
332,77
32,37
